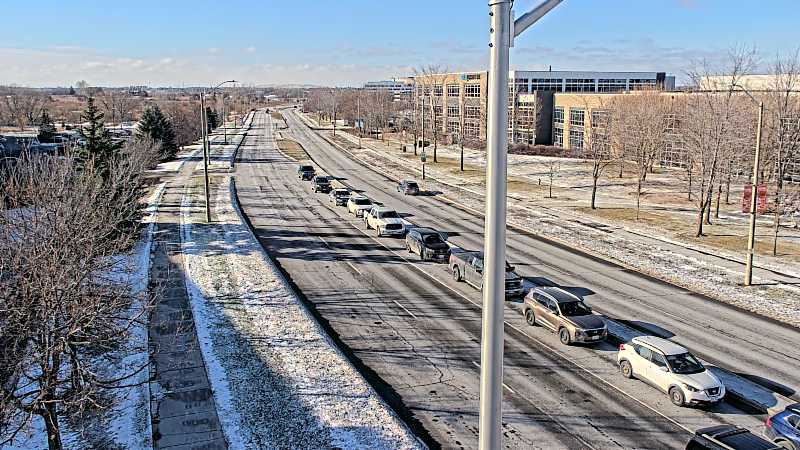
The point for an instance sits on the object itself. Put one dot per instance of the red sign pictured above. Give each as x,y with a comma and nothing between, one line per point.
761,198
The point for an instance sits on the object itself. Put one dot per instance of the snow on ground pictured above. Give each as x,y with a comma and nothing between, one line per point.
278,380
779,302
126,424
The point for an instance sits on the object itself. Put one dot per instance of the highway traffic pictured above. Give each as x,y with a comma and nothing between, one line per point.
413,329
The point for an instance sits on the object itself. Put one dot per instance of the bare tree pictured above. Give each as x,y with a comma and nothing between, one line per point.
597,146
64,314
782,128
185,118
431,78
24,106
118,105
638,132
716,125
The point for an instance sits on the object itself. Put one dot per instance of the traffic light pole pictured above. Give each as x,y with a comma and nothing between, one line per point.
501,33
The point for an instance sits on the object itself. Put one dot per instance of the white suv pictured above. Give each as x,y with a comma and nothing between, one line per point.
385,221
358,205
670,368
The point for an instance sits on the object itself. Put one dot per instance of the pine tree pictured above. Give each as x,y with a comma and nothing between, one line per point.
47,130
154,125
211,117
71,90
99,146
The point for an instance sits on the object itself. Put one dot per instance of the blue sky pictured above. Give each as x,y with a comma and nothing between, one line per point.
177,42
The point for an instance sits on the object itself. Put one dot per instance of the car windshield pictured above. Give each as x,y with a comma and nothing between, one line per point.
362,201
411,185
685,363
432,239
341,193
573,309
306,168
322,180
388,215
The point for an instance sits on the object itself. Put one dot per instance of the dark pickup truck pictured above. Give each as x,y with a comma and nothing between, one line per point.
468,266
305,172
322,184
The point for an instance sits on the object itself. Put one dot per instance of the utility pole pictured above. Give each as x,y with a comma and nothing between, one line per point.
422,133
224,127
334,112
358,117
751,237
501,33
204,119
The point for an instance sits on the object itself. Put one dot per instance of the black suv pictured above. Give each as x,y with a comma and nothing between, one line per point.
428,244
322,184
408,187
728,437
305,172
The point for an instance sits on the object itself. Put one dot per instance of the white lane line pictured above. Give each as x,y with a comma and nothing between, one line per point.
404,308
474,363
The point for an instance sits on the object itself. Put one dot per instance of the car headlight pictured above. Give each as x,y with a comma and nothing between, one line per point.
690,388
579,334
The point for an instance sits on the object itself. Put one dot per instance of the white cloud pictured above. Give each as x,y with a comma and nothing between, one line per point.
250,49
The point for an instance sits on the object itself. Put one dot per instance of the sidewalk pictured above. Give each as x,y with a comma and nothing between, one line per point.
706,271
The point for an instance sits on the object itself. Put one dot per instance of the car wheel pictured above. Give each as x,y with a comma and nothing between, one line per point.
563,336
422,254
785,445
625,369
408,247
676,396
530,317
456,273
377,231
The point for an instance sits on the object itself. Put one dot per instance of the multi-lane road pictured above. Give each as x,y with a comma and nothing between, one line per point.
415,333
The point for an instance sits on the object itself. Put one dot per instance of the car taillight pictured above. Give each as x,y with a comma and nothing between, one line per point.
769,422
622,346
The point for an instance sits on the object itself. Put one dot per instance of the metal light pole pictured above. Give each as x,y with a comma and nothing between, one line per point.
751,237
360,122
207,145
501,33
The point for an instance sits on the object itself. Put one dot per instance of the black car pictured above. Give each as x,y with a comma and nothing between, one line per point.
305,172
408,187
322,184
428,244
728,437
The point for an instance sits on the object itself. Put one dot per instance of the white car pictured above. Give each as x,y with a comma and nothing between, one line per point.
385,221
670,368
358,205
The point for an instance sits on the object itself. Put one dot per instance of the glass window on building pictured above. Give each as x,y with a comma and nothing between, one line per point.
579,85
558,137
438,90
641,84
472,90
576,116
453,126
453,90
558,114
471,129
472,112
575,139
600,118
546,84
611,84
452,111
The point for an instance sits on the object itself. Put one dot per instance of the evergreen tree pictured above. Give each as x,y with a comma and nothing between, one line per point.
99,146
154,125
71,90
211,117
47,130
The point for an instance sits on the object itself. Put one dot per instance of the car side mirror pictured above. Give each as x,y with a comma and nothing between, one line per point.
663,368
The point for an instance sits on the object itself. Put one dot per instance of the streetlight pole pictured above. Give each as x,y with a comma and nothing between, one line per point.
358,117
207,145
501,33
751,236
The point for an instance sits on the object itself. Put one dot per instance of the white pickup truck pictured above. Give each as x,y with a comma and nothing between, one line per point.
468,267
385,221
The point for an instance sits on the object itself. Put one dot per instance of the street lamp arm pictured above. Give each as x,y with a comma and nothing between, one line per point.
533,16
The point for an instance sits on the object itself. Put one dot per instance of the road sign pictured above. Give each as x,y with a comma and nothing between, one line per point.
423,157
761,198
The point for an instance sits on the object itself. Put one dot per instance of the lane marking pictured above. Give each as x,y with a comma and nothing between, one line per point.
404,308
504,385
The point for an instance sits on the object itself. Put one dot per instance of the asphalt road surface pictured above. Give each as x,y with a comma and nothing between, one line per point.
414,332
